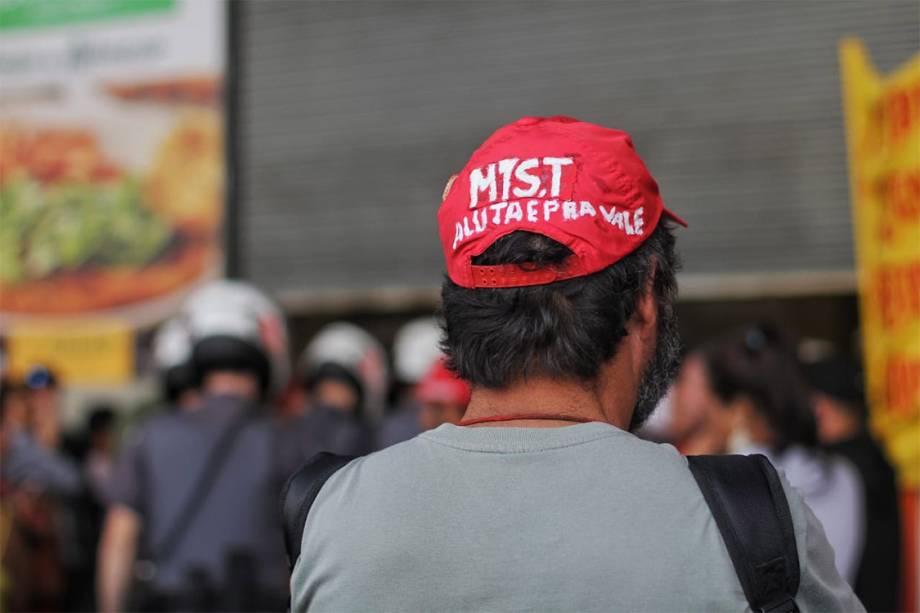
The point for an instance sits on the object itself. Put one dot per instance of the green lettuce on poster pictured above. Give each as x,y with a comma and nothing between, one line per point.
48,229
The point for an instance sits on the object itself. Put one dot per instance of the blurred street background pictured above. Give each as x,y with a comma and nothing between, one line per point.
149,147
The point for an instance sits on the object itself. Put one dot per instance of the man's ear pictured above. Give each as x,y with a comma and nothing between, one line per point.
644,322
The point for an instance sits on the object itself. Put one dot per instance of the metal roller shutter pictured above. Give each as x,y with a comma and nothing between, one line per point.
354,114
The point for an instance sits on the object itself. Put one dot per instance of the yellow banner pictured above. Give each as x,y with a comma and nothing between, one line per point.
882,114
90,354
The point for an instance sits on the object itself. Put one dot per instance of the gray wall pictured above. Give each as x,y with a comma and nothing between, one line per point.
354,114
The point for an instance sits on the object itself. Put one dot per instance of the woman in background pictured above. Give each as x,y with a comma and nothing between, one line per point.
746,393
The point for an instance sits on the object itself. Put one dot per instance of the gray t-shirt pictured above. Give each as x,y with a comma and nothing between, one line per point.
580,518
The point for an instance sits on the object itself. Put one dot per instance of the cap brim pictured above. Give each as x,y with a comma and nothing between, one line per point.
675,218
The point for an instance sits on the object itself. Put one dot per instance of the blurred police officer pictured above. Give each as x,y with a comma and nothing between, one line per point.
172,357
343,375
194,523
558,311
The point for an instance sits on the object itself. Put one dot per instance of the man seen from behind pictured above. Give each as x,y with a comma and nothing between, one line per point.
558,310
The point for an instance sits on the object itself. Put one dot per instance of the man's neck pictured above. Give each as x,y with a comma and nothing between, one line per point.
545,403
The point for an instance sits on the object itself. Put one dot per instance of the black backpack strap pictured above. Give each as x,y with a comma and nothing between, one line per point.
214,464
747,501
299,493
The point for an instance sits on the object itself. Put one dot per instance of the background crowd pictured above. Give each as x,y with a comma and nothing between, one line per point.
747,390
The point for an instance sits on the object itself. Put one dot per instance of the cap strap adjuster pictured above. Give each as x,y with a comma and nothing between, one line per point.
512,275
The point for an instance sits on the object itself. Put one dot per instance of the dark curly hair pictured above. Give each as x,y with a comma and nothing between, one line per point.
563,330
759,362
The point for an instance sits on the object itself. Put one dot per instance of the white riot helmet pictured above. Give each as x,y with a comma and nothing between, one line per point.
415,349
359,354
172,356
233,325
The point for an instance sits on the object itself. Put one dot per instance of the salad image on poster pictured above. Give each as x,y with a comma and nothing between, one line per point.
81,232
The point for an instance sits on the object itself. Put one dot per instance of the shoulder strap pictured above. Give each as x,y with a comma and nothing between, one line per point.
747,501
299,493
206,479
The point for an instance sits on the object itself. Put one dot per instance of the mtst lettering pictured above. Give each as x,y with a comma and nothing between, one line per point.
516,178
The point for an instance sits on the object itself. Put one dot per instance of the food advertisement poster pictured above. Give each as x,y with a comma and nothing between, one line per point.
883,136
112,171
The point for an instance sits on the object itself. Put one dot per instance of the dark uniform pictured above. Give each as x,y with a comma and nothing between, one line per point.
230,555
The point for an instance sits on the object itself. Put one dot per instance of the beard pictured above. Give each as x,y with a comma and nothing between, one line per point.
660,370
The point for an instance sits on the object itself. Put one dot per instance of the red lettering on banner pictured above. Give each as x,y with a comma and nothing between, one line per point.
892,119
902,112
902,384
899,196
898,292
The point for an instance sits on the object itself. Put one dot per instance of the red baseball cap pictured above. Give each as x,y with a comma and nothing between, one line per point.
578,183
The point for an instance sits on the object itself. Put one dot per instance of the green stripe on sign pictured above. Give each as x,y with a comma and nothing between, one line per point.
40,13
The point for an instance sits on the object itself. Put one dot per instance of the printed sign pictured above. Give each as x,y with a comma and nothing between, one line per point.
97,354
111,161
883,135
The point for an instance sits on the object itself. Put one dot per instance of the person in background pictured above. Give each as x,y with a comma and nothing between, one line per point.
194,520
343,375
172,356
442,397
415,351
759,402
14,411
698,425
33,456
31,577
94,450
99,458
43,399
840,409
39,487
